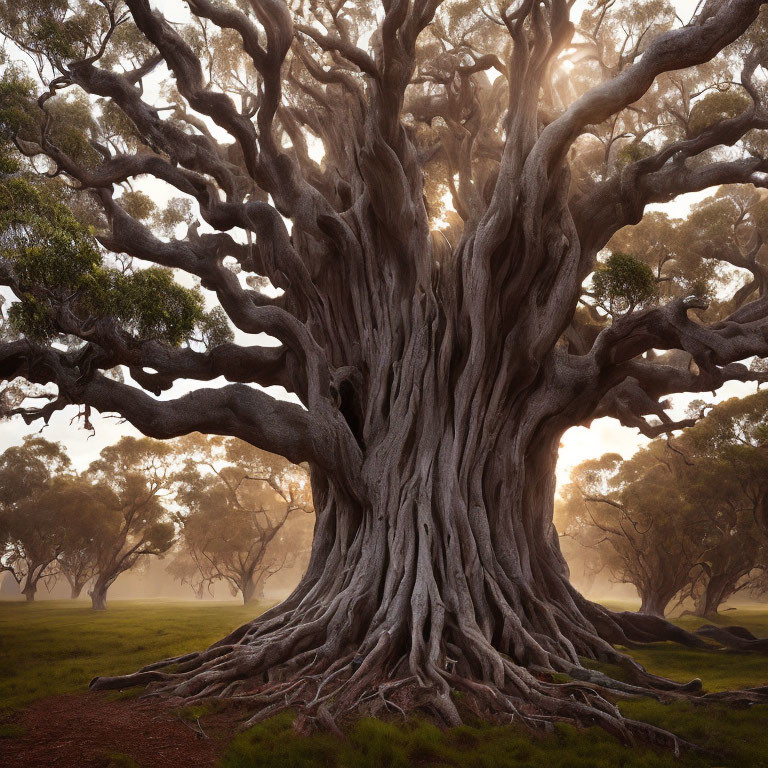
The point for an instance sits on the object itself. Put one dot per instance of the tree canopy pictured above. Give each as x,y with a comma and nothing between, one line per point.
426,106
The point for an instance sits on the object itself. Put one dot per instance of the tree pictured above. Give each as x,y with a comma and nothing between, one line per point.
86,510
131,478
680,519
450,173
647,532
727,477
32,528
235,502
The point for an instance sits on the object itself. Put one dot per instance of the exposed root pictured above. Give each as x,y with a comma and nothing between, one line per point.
278,663
735,638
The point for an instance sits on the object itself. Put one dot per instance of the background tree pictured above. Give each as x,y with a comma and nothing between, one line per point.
632,512
132,478
32,530
474,163
235,501
81,510
727,477
680,519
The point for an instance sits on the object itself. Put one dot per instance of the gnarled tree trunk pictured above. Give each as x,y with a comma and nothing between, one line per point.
436,377
436,570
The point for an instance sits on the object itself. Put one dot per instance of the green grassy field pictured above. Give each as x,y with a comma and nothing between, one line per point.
56,647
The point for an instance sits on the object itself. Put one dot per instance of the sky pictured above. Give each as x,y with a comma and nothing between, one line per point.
605,435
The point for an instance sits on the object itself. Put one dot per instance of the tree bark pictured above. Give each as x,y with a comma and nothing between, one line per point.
98,595
29,591
654,604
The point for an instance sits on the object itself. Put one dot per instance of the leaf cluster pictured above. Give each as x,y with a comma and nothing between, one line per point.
624,283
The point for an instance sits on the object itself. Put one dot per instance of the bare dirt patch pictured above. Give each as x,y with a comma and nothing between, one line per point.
92,731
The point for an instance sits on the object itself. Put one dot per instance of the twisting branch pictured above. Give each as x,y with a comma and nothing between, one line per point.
236,409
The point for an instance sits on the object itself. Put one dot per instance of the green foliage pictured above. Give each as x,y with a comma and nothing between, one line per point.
59,30
138,204
54,255
715,107
178,211
215,329
633,151
623,283
56,259
148,302
17,113
72,124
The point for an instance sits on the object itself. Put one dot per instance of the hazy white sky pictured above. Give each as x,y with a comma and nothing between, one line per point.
578,443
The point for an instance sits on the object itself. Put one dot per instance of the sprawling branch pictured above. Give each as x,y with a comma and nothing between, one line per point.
687,46
236,409
624,385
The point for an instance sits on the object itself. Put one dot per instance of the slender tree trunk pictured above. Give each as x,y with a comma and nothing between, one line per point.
716,591
98,595
29,591
75,587
249,591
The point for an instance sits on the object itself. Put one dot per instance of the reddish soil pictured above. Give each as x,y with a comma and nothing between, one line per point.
90,731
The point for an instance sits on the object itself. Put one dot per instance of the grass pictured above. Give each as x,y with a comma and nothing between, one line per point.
56,647
378,744
53,647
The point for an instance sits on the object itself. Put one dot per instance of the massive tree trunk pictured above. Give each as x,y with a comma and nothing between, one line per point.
436,377
438,570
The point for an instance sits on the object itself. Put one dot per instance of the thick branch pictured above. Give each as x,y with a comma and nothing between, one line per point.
235,410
